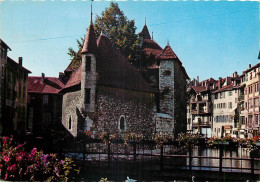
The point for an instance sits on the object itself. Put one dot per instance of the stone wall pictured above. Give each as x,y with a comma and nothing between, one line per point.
138,109
166,87
71,106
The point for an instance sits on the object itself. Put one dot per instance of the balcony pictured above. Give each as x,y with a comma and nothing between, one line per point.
205,123
194,125
194,112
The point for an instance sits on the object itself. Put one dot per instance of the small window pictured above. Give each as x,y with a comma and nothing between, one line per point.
167,73
88,63
87,91
70,123
122,123
3,71
45,99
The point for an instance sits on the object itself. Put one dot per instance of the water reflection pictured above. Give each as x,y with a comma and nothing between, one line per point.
230,163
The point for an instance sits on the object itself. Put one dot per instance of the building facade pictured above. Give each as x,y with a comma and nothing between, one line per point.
249,102
199,107
164,71
3,59
225,107
44,104
15,97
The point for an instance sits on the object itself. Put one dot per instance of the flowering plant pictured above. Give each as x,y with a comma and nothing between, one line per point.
17,164
247,142
188,139
133,137
106,137
227,138
160,139
88,134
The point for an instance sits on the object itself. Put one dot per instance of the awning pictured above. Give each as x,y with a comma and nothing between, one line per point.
228,127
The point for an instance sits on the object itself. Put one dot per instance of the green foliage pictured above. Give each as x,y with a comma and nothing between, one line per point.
76,55
121,31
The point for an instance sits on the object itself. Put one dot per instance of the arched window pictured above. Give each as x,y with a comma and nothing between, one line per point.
122,123
70,123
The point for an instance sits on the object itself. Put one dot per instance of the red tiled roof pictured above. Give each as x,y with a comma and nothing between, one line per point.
75,78
90,44
50,85
167,53
150,47
228,87
145,33
199,88
69,68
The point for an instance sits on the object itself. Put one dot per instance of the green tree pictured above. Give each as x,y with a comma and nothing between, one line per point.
76,56
121,31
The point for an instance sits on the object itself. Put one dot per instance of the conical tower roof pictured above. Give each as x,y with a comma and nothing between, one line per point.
145,33
90,44
167,53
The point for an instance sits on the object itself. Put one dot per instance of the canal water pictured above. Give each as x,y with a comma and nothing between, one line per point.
150,168
229,163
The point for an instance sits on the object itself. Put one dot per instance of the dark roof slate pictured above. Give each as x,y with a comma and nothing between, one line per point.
14,65
145,33
114,69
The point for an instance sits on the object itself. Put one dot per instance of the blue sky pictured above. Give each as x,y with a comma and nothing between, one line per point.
212,39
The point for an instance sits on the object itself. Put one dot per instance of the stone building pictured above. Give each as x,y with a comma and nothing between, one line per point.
44,104
249,102
15,97
163,70
106,93
4,48
226,107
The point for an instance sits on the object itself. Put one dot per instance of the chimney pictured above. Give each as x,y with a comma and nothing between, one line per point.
249,65
20,61
235,74
214,86
61,74
208,87
198,79
43,77
219,83
227,81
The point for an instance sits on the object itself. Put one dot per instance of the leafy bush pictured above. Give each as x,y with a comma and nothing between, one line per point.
18,164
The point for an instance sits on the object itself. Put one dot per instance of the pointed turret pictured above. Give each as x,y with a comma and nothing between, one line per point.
145,33
90,44
167,53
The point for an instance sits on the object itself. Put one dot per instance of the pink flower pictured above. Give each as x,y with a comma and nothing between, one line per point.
13,167
34,150
5,140
6,176
6,158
